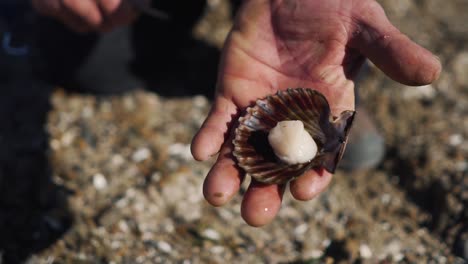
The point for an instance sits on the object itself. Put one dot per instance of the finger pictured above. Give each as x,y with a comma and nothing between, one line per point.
48,8
212,134
73,21
116,13
261,203
109,6
57,9
309,185
224,179
86,10
393,52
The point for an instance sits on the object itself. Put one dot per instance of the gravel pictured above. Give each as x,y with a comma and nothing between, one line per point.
110,179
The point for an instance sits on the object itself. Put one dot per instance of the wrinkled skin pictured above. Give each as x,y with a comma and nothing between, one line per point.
89,15
290,43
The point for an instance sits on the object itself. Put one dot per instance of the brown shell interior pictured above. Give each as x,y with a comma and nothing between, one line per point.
252,150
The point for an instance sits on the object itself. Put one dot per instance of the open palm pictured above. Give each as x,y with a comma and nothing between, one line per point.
279,44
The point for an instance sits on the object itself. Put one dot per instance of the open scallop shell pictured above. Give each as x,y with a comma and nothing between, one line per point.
255,155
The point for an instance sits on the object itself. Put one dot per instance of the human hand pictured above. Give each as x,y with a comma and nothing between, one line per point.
88,15
288,43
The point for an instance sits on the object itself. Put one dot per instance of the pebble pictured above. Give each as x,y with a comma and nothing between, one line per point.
211,234
420,249
139,207
141,154
156,176
99,181
455,140
123,226
55,144
164,246
67,138
181,151
326,242
217,250
315,254
225,214
122,202
394,249
364,251
129,103
81,256
425,92
147,235
460,67
199,100
188,211
300,229
172,164
168,226
461,166
398,257
117,160
442,259
385,226
385,198
87,112
116,244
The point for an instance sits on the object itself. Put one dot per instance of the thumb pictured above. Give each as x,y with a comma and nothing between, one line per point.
392,51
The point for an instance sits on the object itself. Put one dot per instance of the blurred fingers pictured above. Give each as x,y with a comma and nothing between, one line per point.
224,179
88,15
86,11
109,6
57,9
47,7
261,203
73,22
116,13
309,185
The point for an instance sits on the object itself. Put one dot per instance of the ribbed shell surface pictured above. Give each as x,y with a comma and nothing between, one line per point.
251,147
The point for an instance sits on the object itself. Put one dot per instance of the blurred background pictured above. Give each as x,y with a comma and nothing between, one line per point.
101,172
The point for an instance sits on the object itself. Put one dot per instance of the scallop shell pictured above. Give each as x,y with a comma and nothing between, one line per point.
255,155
